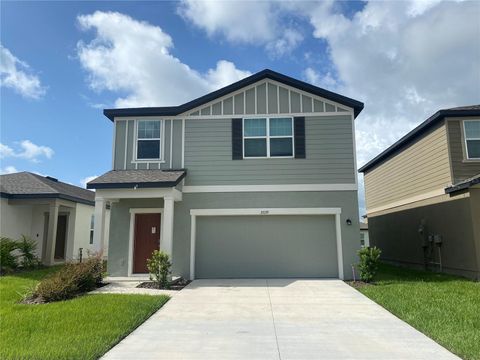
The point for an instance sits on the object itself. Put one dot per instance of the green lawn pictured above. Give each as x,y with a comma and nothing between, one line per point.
82,328
445,308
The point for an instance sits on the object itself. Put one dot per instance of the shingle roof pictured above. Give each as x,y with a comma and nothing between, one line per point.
464,184
267,73
470,110
24,185
116,179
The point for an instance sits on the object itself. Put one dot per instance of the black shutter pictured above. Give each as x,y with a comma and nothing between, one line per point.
237,139
299,133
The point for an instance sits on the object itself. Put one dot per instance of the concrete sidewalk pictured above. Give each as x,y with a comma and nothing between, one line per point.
275,319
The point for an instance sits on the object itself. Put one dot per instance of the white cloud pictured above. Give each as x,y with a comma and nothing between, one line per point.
248,22
405,60
17,75
8,170
134,58
26,150
87,179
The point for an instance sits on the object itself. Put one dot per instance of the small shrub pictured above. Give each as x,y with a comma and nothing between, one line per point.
159,266
27,248
71,280
8,261
369,259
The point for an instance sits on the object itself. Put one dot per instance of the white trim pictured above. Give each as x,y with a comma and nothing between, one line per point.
355,172
409,200
268,188
183,142
171,144
266,212
126,145
229,116
267,137
266,97
134,211
148,193
465,140
113,143
159,160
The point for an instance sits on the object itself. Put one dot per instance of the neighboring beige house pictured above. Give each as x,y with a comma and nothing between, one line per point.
57,215
423,194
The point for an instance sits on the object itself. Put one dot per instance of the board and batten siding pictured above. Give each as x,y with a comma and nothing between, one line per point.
329,155
462,168
420,168
267,97
124,157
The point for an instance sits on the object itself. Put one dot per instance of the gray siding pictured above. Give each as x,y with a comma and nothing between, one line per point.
329,155
462,169
125,142
120,221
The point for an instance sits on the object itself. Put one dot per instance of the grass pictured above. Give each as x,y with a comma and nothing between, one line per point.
446,308
82,328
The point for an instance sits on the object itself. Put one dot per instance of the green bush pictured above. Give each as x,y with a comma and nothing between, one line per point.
8,261
71,280
159,266
369,260
27,248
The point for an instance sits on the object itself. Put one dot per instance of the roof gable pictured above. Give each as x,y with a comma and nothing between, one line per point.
357,106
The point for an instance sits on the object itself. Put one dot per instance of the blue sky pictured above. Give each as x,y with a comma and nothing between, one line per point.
62,63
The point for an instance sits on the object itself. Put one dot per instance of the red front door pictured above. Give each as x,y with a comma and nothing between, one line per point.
146,239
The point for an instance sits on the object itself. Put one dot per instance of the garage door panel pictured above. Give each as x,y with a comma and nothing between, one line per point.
265,246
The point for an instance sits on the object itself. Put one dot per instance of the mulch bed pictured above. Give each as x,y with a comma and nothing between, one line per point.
177,284
358,284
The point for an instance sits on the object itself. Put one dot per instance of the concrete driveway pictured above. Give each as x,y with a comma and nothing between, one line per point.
274,319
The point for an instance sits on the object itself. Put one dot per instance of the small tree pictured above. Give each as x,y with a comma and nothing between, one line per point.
159,266
369,260
8,261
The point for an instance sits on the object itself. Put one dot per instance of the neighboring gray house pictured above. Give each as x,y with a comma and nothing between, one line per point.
58,216
257,179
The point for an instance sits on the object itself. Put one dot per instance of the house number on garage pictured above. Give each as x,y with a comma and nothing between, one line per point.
264,212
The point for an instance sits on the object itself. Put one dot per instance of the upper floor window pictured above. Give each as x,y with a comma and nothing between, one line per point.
149,139
267,137
472,138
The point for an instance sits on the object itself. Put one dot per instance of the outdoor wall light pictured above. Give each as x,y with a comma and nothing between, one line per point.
349,222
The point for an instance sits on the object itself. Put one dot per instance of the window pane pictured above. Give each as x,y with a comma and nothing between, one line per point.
281,147
148,129
281,127
255,127
255,147
148,149
473,147
472,129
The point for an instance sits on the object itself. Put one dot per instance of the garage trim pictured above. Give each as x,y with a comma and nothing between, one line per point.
265,212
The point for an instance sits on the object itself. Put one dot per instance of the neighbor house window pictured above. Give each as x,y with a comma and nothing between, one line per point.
149,139
472,138
92,224
267,137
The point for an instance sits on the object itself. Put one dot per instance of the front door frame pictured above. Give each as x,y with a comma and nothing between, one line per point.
133,212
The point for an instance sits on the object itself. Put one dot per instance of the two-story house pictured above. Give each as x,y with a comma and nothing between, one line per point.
423,194
257,179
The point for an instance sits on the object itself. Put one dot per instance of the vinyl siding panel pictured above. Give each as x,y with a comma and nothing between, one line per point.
119,155
420,168
461,168
329,155
272,99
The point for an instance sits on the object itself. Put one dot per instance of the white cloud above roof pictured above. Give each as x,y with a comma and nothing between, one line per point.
26,149
18,76
134,58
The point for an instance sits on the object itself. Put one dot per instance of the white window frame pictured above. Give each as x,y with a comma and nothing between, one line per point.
161,139
465,139
267,137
